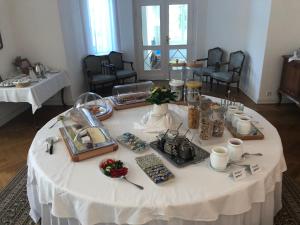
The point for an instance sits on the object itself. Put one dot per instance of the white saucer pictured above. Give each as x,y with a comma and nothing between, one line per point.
238,161
217,170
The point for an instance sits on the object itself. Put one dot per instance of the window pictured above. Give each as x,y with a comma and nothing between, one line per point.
101,26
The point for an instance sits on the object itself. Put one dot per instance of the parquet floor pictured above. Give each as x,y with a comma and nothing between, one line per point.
16,135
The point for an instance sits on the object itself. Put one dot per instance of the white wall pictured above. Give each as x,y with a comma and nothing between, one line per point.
199,17
43,31
283,38
227,24
51,32
7,55
38,32
39,35
125,16
255,47
241,25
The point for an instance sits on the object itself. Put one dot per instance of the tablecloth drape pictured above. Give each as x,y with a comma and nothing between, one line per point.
260,213
37,93
82,192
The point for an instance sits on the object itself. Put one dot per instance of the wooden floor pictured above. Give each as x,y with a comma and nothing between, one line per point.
16,135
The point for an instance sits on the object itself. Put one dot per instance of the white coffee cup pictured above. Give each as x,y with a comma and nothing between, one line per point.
243,125
219,158
235,117
230,111
235,149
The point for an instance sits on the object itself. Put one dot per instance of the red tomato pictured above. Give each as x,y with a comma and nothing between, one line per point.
103,165
110,161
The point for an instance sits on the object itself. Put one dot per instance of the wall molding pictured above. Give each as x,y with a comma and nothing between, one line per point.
267,100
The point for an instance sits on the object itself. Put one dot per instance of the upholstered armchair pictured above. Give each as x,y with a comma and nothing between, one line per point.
117,67
233,72
96,72
214,59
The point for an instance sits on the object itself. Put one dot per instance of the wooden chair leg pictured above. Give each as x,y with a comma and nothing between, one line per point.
227,88
211,83
280,98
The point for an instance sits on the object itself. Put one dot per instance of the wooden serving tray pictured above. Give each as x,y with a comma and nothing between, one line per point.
106,115
88,154
127,106
255,134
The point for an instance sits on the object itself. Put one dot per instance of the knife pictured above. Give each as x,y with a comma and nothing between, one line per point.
51,147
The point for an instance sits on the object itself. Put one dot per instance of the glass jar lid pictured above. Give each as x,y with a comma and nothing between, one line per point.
93,102
193,84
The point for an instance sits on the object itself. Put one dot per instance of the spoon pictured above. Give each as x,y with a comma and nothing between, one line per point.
254,154
138,186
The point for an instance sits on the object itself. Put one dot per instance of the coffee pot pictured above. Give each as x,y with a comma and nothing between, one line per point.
39,69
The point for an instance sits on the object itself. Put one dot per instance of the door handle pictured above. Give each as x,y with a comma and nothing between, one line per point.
168,39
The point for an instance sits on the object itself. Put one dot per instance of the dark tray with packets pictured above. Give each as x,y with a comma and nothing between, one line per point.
180,152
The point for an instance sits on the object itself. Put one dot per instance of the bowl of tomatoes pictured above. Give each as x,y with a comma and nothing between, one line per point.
113,168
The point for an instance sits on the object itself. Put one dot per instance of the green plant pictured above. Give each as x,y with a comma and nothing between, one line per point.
160,96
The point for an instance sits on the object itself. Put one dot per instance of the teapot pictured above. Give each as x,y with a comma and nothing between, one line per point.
186,150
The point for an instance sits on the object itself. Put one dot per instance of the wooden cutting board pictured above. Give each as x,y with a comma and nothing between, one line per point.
87,154
258,135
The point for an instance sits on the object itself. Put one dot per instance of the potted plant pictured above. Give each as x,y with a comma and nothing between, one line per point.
160,97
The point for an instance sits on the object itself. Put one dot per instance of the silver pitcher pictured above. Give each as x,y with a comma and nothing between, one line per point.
39,70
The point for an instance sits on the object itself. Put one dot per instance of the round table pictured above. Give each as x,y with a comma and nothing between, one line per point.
63,192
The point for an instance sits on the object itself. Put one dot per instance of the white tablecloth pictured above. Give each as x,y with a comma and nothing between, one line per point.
37,93
197,195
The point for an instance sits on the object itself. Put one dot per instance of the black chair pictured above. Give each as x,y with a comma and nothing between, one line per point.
96,72
214,59
233,73
116,66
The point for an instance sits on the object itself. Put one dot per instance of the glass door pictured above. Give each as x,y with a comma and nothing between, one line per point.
162,36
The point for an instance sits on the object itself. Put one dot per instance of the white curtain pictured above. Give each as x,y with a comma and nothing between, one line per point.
100,25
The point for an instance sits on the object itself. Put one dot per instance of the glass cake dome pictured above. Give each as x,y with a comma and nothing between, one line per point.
131,93
92,102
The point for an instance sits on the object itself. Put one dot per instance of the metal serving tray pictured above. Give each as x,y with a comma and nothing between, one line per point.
200,155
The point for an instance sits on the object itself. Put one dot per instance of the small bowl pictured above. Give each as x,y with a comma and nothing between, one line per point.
120,172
